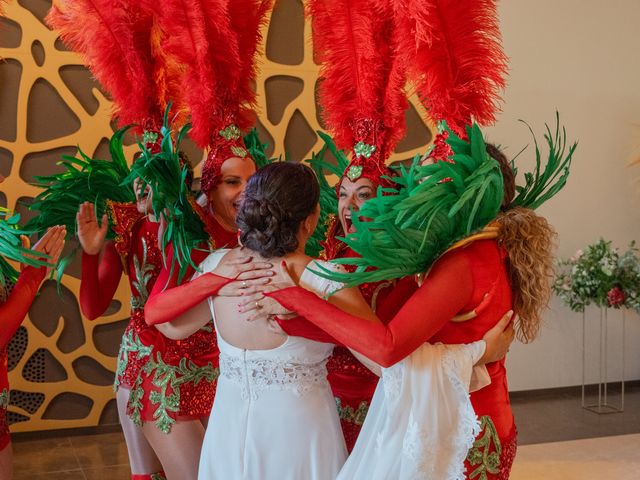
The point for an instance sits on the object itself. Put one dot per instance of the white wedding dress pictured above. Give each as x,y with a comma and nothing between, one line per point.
274,416
421,424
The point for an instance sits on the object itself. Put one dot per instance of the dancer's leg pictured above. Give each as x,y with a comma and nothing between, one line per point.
6,463
142,458
179,450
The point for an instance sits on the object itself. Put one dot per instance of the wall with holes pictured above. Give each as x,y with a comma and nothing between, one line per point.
61,365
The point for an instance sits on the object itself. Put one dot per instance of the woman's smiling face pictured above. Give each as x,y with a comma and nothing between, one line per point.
352,195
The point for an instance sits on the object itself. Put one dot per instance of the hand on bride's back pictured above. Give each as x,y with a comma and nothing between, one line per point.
259,306
248,274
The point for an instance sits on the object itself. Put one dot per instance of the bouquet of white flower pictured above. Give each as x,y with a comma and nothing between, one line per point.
600,275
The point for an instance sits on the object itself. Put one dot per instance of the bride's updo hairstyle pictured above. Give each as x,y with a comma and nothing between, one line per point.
277,198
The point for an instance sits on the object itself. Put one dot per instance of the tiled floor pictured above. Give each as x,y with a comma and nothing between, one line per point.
556,415
85,457
604,458
541,417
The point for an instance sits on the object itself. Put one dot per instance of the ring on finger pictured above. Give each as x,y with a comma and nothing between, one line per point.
257,305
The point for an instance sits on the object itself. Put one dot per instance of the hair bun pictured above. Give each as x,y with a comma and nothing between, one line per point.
276,200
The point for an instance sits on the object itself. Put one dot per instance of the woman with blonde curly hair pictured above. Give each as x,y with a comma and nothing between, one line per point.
479,250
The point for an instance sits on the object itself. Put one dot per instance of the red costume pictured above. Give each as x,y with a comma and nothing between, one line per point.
168,379
457,283
13,309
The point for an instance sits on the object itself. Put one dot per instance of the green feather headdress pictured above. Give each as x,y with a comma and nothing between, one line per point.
328,196
11,247
436,205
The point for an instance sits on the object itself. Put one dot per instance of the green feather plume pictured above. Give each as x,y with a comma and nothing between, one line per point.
544,183
431,207
11,247
257,149
83,180
172,197
328,197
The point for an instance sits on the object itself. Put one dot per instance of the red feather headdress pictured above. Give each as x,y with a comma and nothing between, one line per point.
361,90
216,41
113,37
452,50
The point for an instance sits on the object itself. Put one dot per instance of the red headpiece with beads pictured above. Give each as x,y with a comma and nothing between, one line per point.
361,90
216,42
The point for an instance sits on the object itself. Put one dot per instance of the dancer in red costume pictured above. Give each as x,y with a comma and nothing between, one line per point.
15,301
508,263
164,385
217,82
154,388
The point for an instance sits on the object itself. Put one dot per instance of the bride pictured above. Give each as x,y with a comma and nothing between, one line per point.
274,416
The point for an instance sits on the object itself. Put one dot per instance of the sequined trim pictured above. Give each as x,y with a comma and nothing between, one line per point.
170,378
131,343
351,415
4,399
362,149
144,274
484,455
158,476
123,216
509,449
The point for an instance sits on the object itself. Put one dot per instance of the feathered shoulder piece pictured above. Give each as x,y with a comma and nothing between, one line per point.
432,207
169,176
83,180
439,206
452,50
324,232
11,247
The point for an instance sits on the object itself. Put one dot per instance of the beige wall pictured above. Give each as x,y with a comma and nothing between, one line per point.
583,58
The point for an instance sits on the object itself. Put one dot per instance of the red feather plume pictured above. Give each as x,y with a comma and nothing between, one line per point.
114,43
453,50
360,78
202,40
247,19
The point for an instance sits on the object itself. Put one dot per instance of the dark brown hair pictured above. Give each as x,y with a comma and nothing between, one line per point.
278,197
